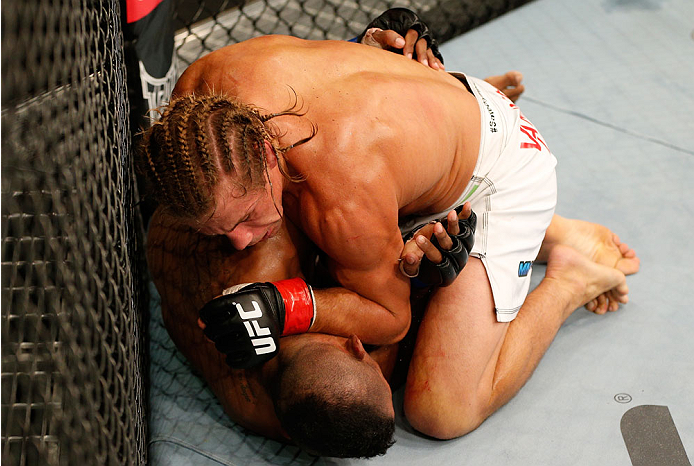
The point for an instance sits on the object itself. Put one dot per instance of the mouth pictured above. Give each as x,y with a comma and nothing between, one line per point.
272,231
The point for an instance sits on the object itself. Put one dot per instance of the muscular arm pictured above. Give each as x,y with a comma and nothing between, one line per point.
189,269
361,238
370,140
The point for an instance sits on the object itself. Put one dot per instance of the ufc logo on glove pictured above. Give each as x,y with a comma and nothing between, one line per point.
262,345
247,321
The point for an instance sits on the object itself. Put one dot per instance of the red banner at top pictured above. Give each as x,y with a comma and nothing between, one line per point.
138,9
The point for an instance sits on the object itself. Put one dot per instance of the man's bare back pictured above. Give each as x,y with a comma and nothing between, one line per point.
392,140
360,173
361,134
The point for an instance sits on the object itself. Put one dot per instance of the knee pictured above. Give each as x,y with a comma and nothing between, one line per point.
440,415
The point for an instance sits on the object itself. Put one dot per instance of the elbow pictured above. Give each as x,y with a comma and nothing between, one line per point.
401,325
388,332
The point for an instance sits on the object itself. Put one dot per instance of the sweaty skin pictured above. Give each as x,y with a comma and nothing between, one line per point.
189,269
394,138
360,173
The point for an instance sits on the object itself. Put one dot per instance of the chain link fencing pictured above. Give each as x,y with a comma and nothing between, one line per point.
73,359
206,25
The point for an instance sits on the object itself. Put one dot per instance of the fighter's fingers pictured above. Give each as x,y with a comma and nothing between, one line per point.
433,254
410,39
409,264
388,38
465,212
410,258
452,219
411,249
421,47
442,237
202,325
435,62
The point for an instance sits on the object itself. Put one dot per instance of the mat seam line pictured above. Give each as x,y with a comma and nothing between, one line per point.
609,125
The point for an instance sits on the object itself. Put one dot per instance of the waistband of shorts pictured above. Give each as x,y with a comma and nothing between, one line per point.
487,102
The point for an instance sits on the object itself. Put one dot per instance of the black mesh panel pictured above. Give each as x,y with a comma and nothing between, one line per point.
72,344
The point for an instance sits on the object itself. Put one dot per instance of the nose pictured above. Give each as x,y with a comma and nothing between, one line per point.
240,237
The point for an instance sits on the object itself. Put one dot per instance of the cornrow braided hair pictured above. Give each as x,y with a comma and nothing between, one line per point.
199,137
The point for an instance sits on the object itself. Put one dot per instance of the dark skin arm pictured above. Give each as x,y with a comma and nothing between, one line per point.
190,269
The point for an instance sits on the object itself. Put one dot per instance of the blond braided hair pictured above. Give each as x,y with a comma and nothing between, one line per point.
181,155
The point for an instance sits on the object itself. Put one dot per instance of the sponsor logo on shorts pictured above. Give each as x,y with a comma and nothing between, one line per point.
492,121
524,268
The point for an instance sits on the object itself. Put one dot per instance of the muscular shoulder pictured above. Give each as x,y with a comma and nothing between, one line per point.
353,221
235,68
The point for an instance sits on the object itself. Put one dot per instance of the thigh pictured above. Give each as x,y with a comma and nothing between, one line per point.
457,345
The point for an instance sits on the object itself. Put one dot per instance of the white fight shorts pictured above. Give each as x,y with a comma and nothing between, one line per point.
513,191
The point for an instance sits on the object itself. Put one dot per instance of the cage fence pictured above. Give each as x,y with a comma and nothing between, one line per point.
74,319
72,359
206,25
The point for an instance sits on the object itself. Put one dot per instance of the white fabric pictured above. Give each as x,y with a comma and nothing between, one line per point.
513,191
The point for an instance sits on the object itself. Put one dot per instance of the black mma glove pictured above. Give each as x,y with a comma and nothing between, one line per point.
402,20
247,321
454,259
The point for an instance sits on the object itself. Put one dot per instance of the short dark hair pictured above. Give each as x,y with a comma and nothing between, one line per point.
340,427
331,404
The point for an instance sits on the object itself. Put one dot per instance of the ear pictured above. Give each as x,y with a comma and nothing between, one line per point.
270,155
354,347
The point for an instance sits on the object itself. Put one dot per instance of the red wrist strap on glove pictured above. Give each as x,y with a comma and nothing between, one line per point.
299,306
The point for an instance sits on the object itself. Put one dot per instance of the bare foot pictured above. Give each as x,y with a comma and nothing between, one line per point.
509,84
586,280
594,241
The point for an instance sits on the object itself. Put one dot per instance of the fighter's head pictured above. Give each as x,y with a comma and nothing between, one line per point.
210,157
332,399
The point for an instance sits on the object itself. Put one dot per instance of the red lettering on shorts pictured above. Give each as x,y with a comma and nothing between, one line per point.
530,131
510,102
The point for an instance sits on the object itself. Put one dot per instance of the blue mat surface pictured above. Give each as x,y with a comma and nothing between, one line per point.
609,85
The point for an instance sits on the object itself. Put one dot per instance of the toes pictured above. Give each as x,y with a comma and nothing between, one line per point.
591,305
515,77
625,250
601,307
614,306
619,295
628,265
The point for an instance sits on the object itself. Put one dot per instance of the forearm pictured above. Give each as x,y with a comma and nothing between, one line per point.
343,312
